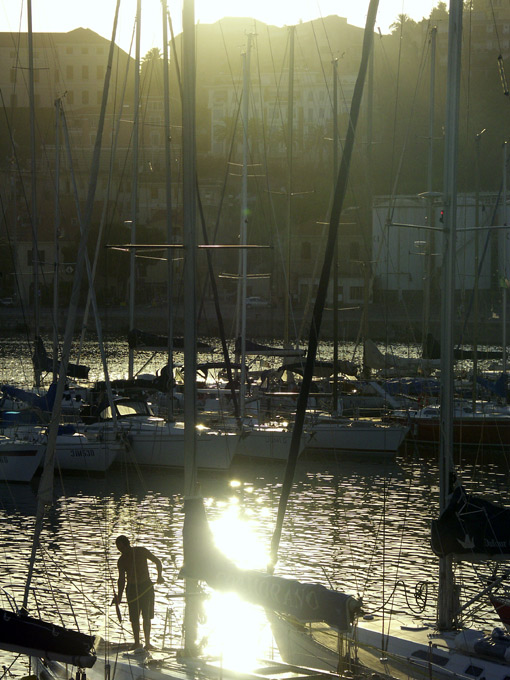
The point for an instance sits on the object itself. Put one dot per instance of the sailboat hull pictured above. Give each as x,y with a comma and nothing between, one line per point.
27,635
362,436
19,459
265,443
403,651
152,442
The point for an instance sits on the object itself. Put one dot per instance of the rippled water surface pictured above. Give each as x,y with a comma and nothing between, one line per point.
360,525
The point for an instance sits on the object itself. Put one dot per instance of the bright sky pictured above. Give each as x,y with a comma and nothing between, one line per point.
64,15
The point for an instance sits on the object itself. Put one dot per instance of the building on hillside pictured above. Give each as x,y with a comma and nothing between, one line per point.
408,259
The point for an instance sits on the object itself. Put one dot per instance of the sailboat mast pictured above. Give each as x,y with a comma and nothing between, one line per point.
334,405
430,245
189,196
243,255
190,241
134,185
446,593
290,144
168,196
506,275
33,173
56,262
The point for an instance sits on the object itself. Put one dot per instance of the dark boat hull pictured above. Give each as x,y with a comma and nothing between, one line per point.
33,637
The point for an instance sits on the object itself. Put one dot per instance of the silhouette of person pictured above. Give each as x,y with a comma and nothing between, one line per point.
134,576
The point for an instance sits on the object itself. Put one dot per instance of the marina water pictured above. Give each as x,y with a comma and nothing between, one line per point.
361,525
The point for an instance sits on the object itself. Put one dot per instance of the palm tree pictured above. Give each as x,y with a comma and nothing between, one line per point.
153,55
402,21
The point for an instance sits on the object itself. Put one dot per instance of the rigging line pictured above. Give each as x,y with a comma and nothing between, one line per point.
318,309
421,68
328,89
480,265
391,203
495,24
230,69
114,136
278,112
323,24
468,84
209,257
274,232
260,180
25,200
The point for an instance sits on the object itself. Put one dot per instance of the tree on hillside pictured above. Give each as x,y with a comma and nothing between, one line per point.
401,23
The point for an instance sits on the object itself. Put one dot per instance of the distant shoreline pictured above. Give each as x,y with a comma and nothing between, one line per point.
383,326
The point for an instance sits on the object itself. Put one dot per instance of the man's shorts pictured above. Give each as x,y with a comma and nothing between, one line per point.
140,599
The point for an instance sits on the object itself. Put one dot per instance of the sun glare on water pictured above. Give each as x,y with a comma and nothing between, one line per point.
237,632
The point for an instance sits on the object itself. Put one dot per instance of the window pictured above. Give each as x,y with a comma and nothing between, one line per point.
100,50
85,97
154,192
41,256
99,97
70,97
354,251
356,292
306,250
69,72
13,74
69,50
14,101
84,50
85,72
430,657
100,72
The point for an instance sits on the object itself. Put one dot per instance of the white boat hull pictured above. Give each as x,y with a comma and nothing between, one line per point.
356,436
265,443
156,443
79,452
19,459
403,652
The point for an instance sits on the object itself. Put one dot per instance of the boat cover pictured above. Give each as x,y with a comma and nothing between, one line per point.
303,601
26,635
42,403
43,362
256,349
144,340
472,528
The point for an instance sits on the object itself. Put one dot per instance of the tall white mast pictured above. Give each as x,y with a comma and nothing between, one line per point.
134,185
446,592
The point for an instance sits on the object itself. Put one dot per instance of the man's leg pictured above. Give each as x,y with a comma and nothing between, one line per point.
147,631
135,624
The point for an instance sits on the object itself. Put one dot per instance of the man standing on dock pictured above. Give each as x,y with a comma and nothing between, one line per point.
134,569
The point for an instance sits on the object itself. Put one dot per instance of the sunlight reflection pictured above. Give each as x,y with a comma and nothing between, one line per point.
238,631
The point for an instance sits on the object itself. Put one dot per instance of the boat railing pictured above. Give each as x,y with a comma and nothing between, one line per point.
44,605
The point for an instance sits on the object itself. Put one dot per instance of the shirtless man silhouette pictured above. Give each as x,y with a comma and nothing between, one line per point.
134,576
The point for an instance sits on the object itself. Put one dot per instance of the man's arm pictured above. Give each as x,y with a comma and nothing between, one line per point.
120,583
157,562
